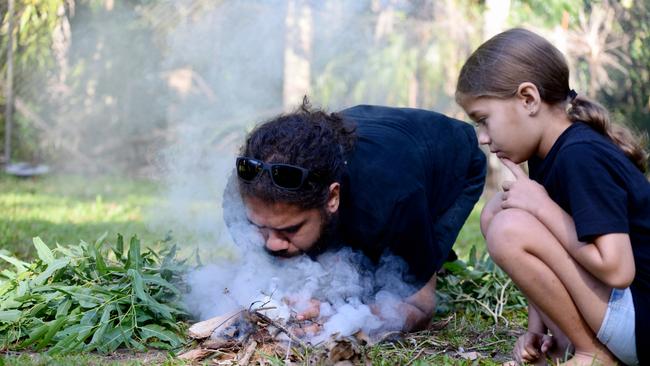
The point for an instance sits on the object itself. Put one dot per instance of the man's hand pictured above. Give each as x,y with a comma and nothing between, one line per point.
306,320
418,309
522,193
532,347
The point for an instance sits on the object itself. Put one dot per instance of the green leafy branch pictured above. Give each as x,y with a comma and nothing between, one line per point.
82,298
480,286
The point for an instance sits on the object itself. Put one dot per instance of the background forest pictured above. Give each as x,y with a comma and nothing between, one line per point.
106,85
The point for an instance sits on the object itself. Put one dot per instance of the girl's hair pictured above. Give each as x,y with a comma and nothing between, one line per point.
500,65
308,138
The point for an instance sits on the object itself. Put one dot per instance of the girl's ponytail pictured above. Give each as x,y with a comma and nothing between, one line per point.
596,116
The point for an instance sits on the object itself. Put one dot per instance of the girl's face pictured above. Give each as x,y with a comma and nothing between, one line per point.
505,126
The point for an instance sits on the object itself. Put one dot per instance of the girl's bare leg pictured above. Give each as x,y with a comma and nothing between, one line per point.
563,349
569,296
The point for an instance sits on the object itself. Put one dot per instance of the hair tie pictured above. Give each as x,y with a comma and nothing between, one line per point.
572,95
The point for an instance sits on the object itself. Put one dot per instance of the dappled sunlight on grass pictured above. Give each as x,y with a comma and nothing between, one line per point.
66,209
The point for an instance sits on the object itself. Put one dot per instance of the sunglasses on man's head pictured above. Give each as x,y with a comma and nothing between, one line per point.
283,176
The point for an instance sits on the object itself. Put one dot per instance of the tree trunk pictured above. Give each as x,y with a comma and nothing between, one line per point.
9,93
297,53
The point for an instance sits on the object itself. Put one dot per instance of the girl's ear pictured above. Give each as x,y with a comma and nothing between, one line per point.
529,96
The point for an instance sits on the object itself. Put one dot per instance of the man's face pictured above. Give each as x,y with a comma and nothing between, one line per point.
287,229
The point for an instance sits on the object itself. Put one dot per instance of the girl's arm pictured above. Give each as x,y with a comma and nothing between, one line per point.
609,258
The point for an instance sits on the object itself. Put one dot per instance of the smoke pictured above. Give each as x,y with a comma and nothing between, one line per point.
345,282
227,73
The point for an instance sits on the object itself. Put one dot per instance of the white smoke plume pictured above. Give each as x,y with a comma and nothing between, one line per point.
228,71
344,281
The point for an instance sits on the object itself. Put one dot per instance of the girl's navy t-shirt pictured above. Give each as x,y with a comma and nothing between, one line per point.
592,180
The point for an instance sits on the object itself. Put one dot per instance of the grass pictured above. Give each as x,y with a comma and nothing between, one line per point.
66,209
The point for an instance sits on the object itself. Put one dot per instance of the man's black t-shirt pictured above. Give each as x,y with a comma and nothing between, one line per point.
411,182
594,182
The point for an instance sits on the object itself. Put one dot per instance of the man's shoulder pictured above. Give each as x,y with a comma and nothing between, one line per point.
367,111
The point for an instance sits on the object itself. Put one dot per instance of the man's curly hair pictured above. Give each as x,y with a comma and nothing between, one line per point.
309,138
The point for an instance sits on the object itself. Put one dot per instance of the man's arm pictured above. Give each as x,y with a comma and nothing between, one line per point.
448,225
420,307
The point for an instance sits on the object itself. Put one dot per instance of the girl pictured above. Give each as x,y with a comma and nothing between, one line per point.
576,238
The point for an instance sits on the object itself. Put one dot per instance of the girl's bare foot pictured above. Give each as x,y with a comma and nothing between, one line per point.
586,359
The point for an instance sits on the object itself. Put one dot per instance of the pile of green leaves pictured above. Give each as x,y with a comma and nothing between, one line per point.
479,286
82,298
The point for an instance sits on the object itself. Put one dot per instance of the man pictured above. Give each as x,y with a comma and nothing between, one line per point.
373,178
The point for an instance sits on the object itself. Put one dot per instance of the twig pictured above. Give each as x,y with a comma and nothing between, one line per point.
484,346
281,327
415,357
266,308
502,301
250,349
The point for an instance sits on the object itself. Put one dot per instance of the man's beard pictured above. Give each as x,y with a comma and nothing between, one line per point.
329,238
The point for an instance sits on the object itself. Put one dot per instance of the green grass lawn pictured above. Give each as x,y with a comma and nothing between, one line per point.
66,209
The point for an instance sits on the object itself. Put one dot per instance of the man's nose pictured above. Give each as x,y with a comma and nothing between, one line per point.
275,242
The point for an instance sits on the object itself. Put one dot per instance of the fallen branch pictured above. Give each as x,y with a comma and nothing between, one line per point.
248,353
195,354
205,328
270,321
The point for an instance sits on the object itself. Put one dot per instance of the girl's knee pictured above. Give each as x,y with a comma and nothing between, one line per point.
491,208
507,231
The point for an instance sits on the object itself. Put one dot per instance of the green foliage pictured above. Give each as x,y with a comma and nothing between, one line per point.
478,286
631,103
34,23
84,298
544,13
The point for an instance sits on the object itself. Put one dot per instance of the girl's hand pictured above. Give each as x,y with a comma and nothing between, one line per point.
522,193
530,347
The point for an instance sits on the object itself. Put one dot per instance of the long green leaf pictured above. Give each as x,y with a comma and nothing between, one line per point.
119,247
156,331
138,287
100,265
51,268
20,265
36,334
10,315
156,280
43,252
115,337
134,259
54,327
64,345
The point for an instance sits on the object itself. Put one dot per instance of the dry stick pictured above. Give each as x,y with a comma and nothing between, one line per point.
503,298
250,349
282,328
484,346
415,357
